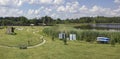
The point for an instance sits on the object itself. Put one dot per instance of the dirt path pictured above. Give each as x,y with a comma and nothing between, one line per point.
38,44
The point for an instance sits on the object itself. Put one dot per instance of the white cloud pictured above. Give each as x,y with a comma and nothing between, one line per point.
74,7
12,3
61,9
46,1
69,7
4,11
40,11
54,15
117,10
91,11
54,8
97,10
3,2
83,8
35,11
31,1
58,1
17,2
30,11
117,1
47,11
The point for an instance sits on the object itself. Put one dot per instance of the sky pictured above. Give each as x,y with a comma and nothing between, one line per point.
59,8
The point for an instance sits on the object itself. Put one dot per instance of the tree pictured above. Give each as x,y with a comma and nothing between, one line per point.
58,21
47,20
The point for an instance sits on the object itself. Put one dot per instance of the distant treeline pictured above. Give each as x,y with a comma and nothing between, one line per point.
23,21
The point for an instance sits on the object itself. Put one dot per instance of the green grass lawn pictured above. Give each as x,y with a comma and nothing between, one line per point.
55,49
22,36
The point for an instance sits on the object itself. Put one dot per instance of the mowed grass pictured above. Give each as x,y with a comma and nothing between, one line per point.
23,35
57,50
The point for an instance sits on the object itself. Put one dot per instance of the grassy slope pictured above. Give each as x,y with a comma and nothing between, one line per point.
57,50
22,37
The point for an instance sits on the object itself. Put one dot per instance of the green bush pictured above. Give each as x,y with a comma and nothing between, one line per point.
23,46
112,42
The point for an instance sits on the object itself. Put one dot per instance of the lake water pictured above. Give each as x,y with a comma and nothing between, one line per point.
110,26
100,27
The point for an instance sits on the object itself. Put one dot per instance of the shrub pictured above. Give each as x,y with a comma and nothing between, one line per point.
112,42
23,46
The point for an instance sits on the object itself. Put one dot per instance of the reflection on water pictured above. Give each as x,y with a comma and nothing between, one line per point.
110,27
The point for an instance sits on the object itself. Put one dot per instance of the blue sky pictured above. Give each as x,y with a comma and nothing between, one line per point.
59,8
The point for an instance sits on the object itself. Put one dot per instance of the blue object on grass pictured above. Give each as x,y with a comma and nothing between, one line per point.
103,39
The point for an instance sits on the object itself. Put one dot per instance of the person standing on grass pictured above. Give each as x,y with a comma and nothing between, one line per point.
65,41
64,38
